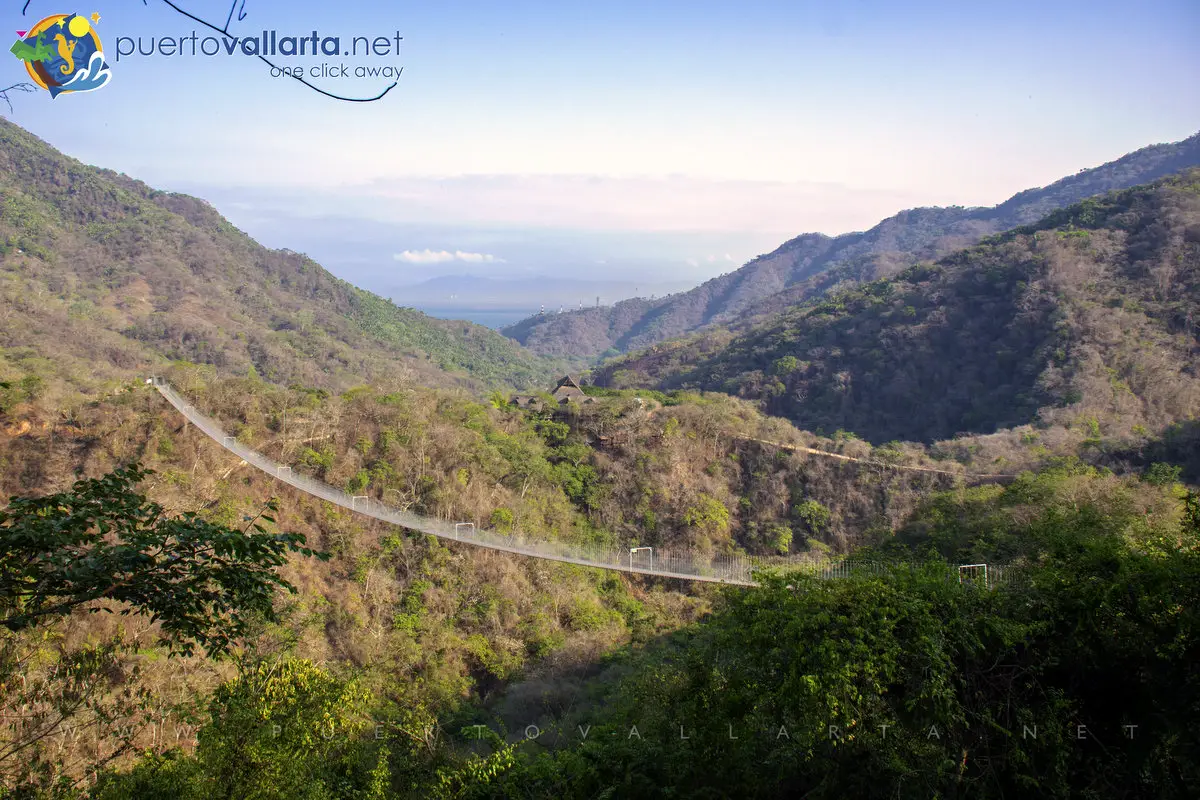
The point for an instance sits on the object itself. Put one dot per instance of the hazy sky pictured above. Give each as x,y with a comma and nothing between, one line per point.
758,119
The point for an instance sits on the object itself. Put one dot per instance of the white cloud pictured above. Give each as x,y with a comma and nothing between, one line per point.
424,256
445,256
477,258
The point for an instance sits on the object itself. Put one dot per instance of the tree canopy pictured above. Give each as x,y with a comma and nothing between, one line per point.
104,541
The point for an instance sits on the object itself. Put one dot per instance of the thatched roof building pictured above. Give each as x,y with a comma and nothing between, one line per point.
568,389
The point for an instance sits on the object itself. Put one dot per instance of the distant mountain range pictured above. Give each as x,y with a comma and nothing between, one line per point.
813,263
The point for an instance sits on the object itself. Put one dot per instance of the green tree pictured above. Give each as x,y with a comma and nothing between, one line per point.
779,536
500,401
477,777
104,541
321,461
279,731
785,365
1160,474
708,515
289,730
358,483
502,520
102,547
814,515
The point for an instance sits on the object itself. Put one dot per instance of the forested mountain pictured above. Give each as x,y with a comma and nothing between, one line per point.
406,667
437,631
1089,315
813,263
102,277
355,660
105,280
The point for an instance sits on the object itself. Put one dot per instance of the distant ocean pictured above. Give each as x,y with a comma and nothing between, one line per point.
491,317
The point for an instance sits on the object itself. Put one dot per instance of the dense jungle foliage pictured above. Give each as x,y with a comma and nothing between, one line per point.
175,623
1071,674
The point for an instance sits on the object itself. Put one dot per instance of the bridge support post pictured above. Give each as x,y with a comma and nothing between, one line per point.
963,573
634,550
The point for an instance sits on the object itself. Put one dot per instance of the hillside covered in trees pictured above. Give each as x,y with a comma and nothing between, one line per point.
413,669
102,276
441,630
1086,320
813,264
174,623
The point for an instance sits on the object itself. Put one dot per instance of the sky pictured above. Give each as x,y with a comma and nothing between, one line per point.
612,139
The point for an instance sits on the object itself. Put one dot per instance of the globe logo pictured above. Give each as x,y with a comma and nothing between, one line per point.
63,54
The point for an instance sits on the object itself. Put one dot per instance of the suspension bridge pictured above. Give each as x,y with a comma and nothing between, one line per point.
726,569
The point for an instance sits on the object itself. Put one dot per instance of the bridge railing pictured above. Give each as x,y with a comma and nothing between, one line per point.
732,569
723,569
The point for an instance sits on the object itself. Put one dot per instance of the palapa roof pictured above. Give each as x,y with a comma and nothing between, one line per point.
568,387
569,382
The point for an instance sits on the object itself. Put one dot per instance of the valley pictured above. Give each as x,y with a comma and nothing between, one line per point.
858,516
813,264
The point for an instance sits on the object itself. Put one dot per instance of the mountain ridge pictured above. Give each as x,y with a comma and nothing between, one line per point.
1089,313
813,263
103,276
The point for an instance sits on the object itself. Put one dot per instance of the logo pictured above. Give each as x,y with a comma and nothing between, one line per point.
62,54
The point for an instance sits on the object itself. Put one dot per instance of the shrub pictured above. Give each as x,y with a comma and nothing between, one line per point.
502,519
1161,474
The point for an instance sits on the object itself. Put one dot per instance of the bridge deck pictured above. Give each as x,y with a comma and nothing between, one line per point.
722,569
734,570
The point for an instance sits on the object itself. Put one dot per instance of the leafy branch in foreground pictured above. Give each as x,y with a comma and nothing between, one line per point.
103,540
